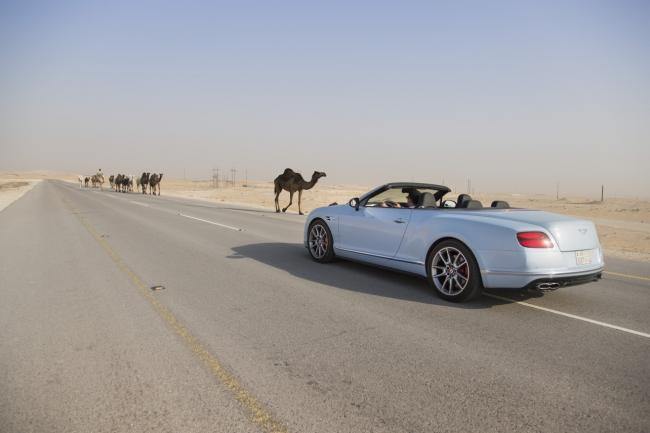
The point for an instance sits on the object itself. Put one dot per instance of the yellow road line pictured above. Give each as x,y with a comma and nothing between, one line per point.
636,277
259,415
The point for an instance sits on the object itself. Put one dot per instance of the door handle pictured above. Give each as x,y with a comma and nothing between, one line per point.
399,221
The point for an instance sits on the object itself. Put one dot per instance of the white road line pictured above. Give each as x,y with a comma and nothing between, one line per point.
572,316
636,277
138,203
237,229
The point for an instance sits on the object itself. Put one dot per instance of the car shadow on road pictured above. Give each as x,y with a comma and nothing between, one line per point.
347,275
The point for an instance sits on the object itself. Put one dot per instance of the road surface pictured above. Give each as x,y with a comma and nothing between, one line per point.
250,335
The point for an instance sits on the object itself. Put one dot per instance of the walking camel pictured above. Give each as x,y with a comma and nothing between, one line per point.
292,182
144,181
98,179
154,183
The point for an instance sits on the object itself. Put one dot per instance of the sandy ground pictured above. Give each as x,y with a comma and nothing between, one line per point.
11,190
623,223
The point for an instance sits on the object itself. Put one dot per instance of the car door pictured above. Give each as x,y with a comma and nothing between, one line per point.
373,230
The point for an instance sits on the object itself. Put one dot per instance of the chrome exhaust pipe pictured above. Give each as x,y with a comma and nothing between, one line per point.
548,286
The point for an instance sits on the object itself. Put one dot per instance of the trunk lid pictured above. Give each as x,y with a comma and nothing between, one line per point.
570,234
574,235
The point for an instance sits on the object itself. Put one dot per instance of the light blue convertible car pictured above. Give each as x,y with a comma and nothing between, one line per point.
459,246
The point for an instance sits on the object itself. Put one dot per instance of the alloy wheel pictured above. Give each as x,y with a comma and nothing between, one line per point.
450,271
318,241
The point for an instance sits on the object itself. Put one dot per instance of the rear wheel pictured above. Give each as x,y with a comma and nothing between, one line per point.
319,242
453,272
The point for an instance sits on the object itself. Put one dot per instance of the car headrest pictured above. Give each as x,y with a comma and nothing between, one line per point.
474,204
499,204
427,199
463,199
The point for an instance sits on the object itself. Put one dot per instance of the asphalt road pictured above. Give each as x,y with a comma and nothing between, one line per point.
250,335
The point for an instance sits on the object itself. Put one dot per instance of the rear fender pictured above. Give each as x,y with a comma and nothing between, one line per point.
484,239
458,237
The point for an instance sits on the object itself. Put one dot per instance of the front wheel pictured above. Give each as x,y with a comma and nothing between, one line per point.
453,272
319,242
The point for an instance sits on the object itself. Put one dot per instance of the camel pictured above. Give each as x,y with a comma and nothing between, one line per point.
144,181
98,179
154,183
292,182
111,180
122,183
118,182
81,181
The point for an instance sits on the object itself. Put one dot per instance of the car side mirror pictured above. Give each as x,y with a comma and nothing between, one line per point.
449,203
354,203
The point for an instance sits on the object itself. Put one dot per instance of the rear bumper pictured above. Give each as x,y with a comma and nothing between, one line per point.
521,280
563,281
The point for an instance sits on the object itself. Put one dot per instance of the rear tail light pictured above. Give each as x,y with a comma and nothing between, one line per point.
534,240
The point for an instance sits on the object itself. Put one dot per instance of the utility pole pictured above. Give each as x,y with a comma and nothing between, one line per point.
215,178
557,191
246,177
602,193
233,171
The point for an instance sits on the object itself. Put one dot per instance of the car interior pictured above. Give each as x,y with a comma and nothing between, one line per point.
413,198
465,201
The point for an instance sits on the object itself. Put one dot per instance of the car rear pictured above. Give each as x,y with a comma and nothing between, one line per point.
546,251
574,255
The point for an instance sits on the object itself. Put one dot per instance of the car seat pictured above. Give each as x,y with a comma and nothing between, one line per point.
462,201
427,200
499,204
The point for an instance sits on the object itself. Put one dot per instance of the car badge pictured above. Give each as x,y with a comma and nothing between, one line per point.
583,231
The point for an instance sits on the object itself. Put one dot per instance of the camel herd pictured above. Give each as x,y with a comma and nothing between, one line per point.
289,181
124,183
97,180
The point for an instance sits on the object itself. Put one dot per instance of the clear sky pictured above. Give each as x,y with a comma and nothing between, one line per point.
515,95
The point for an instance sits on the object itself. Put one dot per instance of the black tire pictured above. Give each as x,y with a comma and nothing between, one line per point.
320,242
454,265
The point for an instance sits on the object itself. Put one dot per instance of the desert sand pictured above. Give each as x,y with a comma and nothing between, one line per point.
623,223
11,190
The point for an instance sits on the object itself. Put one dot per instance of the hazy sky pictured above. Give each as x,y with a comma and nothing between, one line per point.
515,95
